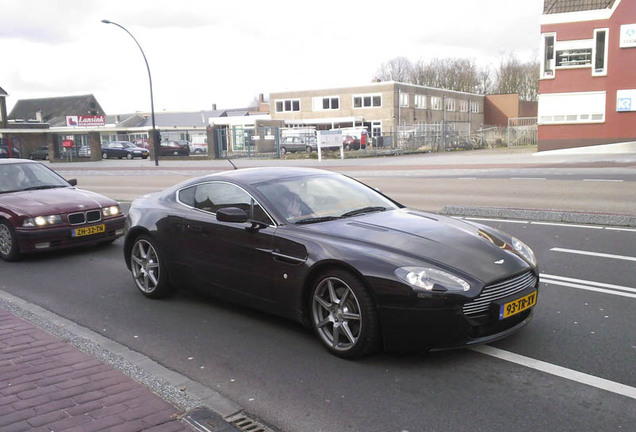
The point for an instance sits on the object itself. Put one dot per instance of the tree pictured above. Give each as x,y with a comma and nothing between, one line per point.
398,69
513,76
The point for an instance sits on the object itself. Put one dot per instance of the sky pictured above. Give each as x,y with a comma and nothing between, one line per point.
204,52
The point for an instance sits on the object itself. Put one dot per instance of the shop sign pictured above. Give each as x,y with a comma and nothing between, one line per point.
625,100
628,36
85,121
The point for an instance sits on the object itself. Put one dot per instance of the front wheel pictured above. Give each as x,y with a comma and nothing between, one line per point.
308,149
8,242
104,155
129,156
148,270
343,315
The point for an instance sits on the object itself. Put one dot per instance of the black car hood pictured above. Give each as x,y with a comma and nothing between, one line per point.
418,237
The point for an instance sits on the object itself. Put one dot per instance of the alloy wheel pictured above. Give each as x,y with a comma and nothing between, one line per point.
145,266
337,314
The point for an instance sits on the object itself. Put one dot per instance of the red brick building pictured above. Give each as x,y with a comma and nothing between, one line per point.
587,87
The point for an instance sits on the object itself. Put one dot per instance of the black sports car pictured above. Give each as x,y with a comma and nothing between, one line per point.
324,249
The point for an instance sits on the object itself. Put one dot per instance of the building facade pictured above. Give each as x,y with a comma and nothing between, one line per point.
381,107
587,86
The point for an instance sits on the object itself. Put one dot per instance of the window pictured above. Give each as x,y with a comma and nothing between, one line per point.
463,105
404,99
436,103
326,103
547,59
474,107
420,101
367,101
211,197
599,68
286,105
556,108
451,104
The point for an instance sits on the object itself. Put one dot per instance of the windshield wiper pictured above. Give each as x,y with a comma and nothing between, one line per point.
315,220
363,210
43,187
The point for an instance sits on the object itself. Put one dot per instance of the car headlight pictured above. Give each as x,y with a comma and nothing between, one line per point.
41,221
424,279
524,251
111,210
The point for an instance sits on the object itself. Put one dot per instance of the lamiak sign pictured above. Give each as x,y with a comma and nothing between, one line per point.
85,121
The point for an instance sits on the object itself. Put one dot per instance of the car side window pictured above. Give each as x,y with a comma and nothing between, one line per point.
211,197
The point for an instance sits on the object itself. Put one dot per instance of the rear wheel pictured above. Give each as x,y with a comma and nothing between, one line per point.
8,242
129,156
308,149
148,270
283,150
343,315
104,155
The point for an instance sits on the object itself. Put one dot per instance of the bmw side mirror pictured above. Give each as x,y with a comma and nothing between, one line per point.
231,214
72,182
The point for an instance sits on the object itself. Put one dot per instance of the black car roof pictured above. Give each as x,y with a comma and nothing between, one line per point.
253,176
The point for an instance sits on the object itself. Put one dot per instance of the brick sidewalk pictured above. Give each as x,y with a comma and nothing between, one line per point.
48,385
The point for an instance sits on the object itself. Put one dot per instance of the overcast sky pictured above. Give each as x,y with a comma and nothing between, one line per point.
226,52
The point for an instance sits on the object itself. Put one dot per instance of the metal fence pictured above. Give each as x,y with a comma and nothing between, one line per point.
522,131
273,142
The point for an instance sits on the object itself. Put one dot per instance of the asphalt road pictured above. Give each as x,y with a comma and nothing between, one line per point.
570,369
279,372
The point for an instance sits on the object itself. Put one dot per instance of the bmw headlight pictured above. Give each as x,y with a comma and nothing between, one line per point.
111,211
524,251
424,279
42,221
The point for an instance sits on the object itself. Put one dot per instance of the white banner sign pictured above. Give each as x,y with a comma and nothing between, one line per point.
625,100
628,36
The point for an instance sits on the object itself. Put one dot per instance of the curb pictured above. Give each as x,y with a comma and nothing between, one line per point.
606,219
177,389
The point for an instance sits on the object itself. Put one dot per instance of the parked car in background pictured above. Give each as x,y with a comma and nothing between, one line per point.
123,149
40,211
199,146
174,148
291,144
41,153
6,152
84,151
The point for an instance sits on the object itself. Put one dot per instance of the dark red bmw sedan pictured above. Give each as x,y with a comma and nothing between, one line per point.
40,211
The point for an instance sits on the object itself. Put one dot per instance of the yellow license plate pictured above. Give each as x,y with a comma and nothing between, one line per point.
516,306
95,229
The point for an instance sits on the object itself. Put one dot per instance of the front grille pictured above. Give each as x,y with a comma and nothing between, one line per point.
490,293
84,217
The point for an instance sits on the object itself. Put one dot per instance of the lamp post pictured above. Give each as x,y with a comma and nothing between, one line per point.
152,103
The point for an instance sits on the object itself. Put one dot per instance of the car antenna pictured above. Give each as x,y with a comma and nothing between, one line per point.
228,159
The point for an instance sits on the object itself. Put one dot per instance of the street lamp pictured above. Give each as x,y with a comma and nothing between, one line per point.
152,103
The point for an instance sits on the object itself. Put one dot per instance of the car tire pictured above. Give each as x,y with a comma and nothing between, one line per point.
148,270
46,157
104,155
343,315
8,242
129,156
283,150
308,149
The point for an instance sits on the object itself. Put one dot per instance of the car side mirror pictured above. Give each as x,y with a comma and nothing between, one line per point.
72,182
231,214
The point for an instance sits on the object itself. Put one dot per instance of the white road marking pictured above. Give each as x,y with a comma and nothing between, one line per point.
602,180
580,377
567,225
596,254
497,220
620,229
618,290
528,178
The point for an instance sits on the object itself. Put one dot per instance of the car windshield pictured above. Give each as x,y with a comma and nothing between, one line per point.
321,198
28,176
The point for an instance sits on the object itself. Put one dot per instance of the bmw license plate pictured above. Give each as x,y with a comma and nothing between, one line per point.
84,231
516,306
